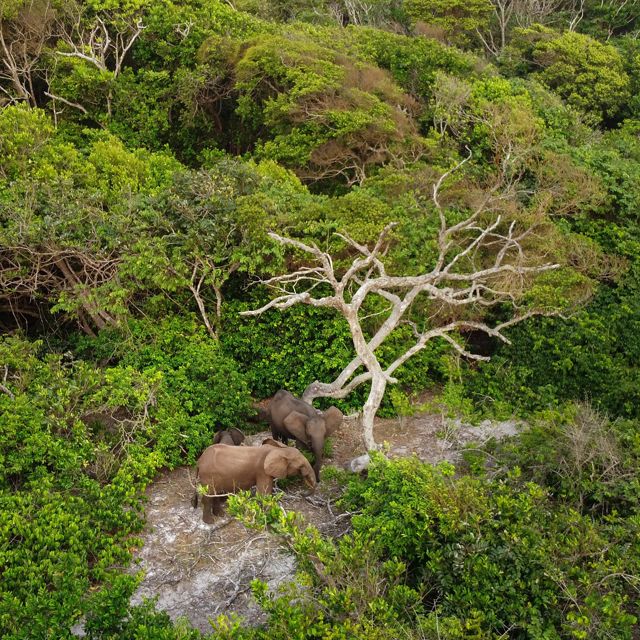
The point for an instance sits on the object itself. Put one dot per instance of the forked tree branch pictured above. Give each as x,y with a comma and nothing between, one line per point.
464,276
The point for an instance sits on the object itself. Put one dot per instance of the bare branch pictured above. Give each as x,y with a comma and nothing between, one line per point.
75,105
435,196
479,266
286,301
7,391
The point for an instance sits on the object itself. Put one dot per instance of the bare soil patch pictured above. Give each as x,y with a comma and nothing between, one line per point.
199,571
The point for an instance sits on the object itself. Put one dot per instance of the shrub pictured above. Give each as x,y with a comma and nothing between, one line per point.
588,74
200,389
495,557
459,19
64,526
582,458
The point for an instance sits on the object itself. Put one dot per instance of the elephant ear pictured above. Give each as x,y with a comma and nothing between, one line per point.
274,443
237,436
333,419
218,437
276,464
296,425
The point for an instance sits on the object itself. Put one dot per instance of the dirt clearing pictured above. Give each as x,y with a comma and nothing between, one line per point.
199,571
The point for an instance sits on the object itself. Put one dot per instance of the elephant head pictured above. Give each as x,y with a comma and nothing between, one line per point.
229,436
284,461
314,430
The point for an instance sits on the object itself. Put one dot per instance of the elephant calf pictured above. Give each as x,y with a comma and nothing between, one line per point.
223,469
229,436
291,417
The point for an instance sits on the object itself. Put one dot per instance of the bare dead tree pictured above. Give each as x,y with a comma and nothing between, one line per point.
523,12
23,39
576,13
103,44
503,10
541,11
47,272
462,281
206,272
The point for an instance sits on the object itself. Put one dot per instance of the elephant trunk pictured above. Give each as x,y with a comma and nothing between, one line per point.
309,478
263,414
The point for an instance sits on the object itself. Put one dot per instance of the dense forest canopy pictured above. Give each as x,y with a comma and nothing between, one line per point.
169,168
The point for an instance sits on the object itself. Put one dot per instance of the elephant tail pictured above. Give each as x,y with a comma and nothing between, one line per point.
194,500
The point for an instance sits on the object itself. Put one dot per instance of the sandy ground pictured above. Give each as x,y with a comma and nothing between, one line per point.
199,571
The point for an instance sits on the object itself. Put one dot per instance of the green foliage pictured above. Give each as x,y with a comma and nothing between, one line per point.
458,19
412,62
347,593
111,617
494,556
142,105
286,350
23,132
592,356
66,517
130,230
583,458
322,113
588,74
374,12
609,20
200,390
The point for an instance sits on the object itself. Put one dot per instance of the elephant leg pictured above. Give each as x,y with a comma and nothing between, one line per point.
265,485
208,509
217,506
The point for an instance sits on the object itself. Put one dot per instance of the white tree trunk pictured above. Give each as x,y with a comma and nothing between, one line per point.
370,408
455,282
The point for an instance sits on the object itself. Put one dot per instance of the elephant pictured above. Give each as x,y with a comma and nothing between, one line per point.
291,417
223,469
229,436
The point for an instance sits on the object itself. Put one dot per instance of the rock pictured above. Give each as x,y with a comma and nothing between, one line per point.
359,464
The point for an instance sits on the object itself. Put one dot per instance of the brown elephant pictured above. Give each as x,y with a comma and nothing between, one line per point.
223,469
291,417
229,436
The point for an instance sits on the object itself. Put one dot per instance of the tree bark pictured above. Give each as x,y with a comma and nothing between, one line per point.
457,281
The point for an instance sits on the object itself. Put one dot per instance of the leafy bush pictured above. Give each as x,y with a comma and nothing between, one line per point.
200,390
591,356
66,519
111,617
318,112
460,20
497,557
286,350
582,458
588,74
344,591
